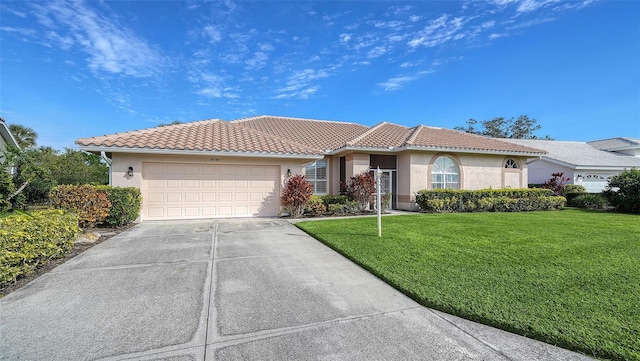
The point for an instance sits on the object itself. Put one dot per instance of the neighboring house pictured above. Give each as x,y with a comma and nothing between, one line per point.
6,138
591,164
215,168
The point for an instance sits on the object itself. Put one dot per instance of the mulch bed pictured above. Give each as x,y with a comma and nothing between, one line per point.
78,248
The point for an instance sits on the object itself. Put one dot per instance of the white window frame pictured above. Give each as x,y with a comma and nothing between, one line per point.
311,173
448,179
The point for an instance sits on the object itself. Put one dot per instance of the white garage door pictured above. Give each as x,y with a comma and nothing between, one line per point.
186,191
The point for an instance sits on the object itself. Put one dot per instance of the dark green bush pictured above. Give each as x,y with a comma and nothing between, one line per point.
488,200
29,240
91,204
125,205
623,191
589,201
329,199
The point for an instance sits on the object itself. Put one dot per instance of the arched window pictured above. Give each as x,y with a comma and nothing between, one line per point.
445,174
511,164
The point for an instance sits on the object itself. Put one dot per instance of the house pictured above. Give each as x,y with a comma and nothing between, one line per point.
216,168
591,164
6,138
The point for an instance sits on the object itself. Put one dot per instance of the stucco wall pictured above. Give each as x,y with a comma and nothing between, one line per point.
540,171
477,171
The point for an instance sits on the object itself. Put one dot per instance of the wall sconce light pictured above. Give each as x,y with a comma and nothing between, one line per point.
288,172
130,172
579,177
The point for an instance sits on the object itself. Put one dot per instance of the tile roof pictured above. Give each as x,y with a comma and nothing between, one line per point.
281,135
206,135
616,143
579,154
383,135
430,137
320,134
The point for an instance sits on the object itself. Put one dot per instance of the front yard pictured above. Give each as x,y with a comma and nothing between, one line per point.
569,278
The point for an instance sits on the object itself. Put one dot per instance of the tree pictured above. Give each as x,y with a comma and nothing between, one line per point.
522,127
175,122
25,136
78,167
623,191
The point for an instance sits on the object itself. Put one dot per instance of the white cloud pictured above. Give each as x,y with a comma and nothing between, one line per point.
439,31
414,18
22,31
111,47
497,35
396,83
531,23
377,52
345,37
212,33
300,84
258,60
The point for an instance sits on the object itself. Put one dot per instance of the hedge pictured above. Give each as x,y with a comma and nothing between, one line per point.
488,200
91,205
28,240
125,205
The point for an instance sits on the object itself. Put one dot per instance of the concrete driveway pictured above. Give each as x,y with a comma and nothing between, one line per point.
249,289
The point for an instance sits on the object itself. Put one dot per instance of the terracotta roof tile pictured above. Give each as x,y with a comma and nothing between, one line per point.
383,135
320,134
430,137
206,135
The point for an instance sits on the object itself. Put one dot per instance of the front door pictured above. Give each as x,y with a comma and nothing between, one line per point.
386,185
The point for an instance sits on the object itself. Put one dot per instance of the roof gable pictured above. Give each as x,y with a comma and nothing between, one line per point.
320,134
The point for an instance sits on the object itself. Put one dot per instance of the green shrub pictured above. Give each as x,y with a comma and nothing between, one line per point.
488,200
590,201
574,188
336,208
125,205
91,204
29,240
329,199
315,206
623,191
352,207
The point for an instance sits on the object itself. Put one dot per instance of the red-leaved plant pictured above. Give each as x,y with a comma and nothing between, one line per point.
556,183
360,188
296,195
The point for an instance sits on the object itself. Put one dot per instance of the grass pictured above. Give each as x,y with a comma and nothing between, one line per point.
569,278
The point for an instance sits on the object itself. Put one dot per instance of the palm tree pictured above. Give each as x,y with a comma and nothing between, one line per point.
25,136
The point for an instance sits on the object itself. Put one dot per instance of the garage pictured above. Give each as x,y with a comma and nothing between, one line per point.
191,191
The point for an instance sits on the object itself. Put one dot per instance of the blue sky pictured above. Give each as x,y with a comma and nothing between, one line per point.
80,69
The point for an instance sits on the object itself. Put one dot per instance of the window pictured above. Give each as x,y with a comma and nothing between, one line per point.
316,174
511,164
445,174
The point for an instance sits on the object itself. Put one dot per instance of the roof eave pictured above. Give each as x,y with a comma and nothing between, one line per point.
472,150
225,153
587,166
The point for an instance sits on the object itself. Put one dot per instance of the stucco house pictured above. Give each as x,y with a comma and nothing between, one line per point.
6,138
216,168
591,164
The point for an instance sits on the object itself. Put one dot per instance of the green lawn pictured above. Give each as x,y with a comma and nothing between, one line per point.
570,277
